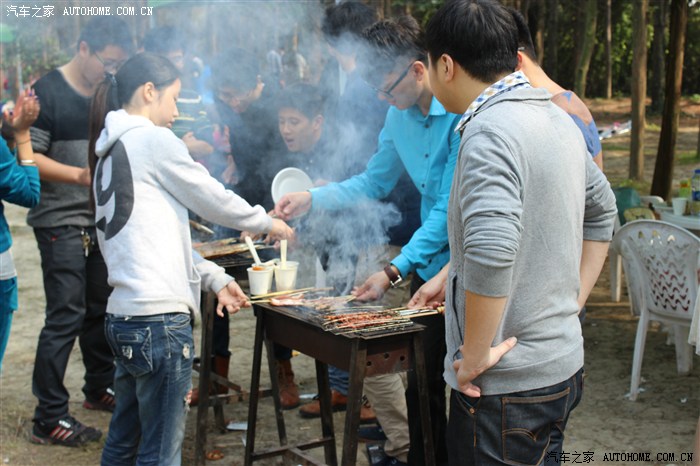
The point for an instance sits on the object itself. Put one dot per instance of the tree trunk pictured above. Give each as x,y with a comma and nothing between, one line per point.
539,33
551,55
697,153
587,46
639,87
579,11
663,170
658,56
524,8
608,49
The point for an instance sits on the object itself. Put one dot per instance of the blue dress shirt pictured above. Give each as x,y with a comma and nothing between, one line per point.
425,146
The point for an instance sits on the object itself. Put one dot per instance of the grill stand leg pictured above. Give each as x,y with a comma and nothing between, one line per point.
254,390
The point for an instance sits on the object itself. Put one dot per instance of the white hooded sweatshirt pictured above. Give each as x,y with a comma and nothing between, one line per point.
145,181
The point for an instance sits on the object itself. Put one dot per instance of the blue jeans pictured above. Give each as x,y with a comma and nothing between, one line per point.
153,356
522,428
8,305
338,380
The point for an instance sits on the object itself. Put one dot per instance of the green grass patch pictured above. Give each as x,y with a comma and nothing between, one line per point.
640,186
688,157
612,146
652,127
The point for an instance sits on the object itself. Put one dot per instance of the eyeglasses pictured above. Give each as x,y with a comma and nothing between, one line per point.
387,93
110,66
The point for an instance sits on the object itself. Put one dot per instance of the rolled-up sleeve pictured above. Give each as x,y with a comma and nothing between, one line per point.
491,207
599,216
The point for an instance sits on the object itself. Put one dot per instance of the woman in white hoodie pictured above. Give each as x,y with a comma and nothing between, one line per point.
144,183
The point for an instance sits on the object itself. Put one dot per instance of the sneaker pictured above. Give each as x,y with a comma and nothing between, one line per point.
68,432
104,402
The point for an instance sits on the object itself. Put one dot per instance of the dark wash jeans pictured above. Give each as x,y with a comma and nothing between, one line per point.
76,299
521,428
153,355
434,350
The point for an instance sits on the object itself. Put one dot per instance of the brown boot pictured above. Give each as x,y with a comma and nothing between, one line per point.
289,393
338,403
221,364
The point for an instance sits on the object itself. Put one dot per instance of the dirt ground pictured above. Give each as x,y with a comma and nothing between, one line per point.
661,422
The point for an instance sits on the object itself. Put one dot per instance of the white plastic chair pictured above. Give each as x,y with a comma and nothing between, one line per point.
661,262
615,267
653,200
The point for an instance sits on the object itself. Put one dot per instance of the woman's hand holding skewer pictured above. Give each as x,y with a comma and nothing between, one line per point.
232,298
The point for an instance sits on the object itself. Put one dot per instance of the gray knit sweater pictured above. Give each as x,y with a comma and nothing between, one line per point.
525,195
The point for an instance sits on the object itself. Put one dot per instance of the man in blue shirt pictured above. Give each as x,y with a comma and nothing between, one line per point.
418,138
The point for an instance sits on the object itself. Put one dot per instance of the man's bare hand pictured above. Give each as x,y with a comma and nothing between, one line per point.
431,294
196,147
373,288
468,370
293,205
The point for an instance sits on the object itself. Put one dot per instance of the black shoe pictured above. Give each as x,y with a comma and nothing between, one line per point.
104,401
68,432
371,434
391,461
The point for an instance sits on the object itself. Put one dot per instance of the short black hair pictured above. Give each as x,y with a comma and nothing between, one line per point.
302,97
390,44
163,40
525,43
236,68
343,24
103,31
480,35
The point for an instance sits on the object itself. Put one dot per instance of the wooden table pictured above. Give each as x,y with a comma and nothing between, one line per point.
361,356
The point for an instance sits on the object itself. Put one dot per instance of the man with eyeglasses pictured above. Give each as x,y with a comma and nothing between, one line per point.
75,275
245,105
418,137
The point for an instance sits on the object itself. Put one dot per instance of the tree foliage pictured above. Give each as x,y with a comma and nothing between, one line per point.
257,26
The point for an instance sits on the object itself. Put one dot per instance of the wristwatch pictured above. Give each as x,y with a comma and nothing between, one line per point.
394,277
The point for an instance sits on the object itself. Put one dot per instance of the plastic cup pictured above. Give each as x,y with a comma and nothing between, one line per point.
286,278
259,281
679,205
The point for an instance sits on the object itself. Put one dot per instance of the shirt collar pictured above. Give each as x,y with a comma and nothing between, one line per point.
508,83
436,109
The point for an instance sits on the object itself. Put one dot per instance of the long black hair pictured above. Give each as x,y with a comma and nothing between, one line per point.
116,90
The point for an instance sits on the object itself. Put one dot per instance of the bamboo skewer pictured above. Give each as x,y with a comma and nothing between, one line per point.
287,293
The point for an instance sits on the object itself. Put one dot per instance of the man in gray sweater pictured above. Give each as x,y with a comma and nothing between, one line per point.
529,221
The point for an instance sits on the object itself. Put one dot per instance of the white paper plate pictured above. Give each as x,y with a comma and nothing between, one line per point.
290,180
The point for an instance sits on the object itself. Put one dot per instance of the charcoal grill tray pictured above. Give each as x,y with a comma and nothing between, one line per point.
315,317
